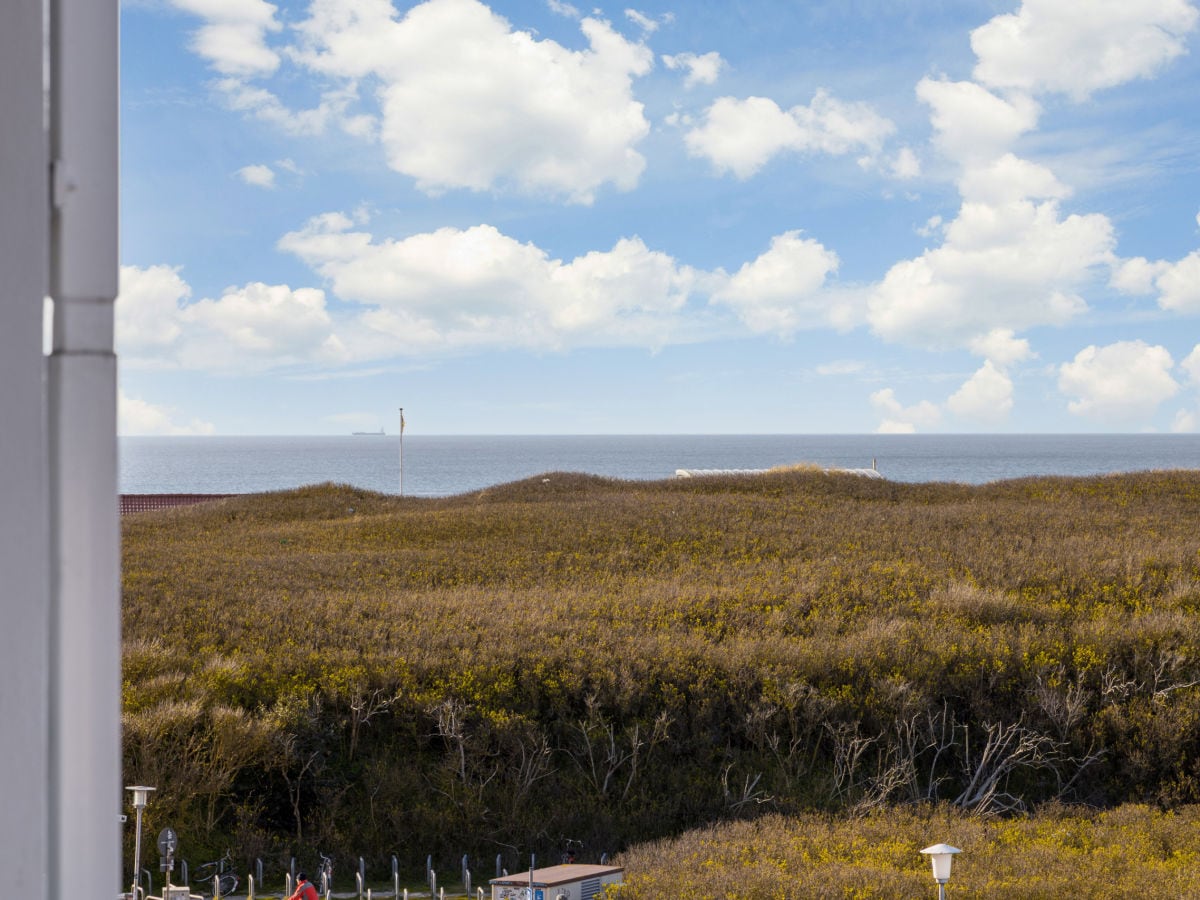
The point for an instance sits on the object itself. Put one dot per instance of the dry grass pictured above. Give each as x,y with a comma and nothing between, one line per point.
616,661
1131,851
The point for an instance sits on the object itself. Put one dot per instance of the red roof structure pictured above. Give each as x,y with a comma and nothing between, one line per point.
136,503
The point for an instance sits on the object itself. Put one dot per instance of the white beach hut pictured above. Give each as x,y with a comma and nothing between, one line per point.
572,881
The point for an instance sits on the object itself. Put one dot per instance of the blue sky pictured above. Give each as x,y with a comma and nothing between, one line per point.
534,216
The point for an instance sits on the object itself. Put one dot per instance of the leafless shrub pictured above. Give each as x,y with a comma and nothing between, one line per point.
738,798
1064,700
611,758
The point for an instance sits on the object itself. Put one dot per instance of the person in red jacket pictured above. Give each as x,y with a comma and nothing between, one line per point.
305,889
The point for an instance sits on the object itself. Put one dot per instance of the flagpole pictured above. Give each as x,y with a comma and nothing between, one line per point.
402,451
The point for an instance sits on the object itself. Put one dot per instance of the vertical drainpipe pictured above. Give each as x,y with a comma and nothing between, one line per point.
85,639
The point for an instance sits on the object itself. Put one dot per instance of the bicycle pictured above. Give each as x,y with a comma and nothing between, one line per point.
220,870
571,845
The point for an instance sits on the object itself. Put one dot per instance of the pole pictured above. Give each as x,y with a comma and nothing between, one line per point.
24,518
137,854
402,451
81,385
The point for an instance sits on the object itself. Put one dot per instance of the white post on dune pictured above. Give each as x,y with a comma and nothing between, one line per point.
85,638
402,451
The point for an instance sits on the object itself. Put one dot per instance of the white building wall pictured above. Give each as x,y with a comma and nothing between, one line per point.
24,520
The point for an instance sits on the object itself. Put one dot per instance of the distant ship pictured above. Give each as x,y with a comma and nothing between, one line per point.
378,433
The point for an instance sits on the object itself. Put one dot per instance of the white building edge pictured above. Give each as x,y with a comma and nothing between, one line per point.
60,763
703,473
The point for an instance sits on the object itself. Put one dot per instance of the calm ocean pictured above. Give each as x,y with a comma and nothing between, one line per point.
440,466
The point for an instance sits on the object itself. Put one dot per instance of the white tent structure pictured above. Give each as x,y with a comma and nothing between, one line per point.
59,556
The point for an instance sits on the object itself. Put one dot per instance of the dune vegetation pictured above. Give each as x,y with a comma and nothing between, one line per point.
1130,851
722,675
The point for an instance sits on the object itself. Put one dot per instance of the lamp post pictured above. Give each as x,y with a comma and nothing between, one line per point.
941,855
140,793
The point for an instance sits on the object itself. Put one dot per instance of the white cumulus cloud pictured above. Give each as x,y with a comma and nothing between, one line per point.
334,106
987,396
147,309
642,21
259,325
1120,383
1077,48
257,175
137,417
906,164
701,69
780,292
1012,259
233,36
901,419
1138,275
1191,365
1186,420
1179,285
1176,283
496,107
255,327
1009,266
973,124
1008,178
454,288
1001,346
741,136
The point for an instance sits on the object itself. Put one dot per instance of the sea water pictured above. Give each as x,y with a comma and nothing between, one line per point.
440,466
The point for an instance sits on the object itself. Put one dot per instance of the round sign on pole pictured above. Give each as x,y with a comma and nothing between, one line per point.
168,842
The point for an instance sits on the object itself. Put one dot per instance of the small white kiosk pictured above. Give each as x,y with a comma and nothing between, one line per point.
566,882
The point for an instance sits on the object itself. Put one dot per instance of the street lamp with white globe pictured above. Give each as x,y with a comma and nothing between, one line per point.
941,855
